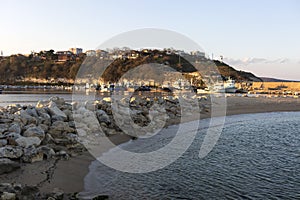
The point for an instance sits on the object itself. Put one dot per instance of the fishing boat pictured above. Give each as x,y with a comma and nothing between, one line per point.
229,86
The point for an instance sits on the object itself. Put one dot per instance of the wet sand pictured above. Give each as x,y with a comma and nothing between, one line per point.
68,175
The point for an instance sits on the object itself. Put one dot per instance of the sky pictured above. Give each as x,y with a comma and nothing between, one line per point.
259,36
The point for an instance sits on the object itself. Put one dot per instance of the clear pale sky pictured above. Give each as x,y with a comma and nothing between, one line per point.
260,36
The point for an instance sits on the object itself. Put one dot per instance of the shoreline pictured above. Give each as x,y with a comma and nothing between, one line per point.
68,175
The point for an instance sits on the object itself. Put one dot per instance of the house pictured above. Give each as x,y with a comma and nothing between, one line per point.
198,53
64,56
102,54
91,53
76,51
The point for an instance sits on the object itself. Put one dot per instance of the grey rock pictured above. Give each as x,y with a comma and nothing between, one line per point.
72,124
44,127
48,139
57,100
15,128
69,114
55,118
5,120
42,104
45,119
3,128
46,151
12,135
11,152
102,116
35,132
3,142
60,127
7,165
28,141
32,112
13,108
31,155
55,111
26,118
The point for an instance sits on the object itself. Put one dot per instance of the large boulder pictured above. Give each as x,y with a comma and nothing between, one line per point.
7,165
25,118
32,112
102,116
28,141
31,155
11,152
16,128
59,127
45,119
35,132
46,151
56,113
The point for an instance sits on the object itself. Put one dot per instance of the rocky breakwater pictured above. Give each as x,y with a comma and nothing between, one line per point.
55,129
33,133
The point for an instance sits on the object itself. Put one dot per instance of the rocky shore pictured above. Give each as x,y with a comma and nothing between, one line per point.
55,130
46,144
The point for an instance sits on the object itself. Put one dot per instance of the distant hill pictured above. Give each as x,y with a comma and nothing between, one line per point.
268,79
16,69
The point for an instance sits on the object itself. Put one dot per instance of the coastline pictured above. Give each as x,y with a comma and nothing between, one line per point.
68,175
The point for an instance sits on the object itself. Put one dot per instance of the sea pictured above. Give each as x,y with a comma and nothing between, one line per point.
256,157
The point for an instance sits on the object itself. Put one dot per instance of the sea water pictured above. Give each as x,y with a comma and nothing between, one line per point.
256,157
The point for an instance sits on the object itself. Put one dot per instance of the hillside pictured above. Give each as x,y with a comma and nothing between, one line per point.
20,69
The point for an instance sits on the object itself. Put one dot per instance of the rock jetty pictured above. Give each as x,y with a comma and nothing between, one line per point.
55,129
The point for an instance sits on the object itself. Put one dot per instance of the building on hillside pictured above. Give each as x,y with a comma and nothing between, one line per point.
198,53
102,54
76,51
91,53
133,54
64,56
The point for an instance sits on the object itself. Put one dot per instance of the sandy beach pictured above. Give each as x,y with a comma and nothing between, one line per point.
68,175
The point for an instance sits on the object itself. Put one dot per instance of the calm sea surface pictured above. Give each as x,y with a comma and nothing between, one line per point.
33,96
25,97
256,157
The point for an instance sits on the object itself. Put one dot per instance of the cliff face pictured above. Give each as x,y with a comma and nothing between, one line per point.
17,68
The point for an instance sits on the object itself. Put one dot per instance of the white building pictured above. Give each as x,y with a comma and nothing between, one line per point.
91,53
